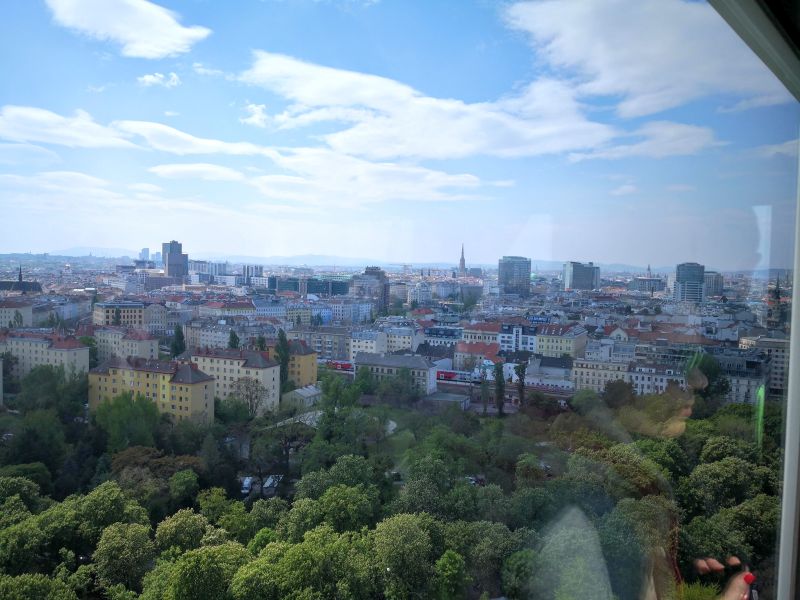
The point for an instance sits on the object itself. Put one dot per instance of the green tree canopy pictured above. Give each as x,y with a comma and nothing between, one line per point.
123,554
178,345
128,421
233,340
183,530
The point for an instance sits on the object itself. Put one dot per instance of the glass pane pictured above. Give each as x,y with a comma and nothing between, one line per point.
446,300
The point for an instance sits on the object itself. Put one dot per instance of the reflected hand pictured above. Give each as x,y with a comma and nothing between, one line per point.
738,587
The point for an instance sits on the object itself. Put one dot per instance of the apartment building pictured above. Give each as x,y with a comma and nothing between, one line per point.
560,340
227,309
228,366
443,335
747,371
384,366
646,378
36,348
595,374
121,313
367,341
778,351
16,313
178,389
210,333
303,365
329,342
151,317
485,333
654,379
403,338
121,342
469,355
515,338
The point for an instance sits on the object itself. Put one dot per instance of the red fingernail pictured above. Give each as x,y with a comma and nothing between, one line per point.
749,578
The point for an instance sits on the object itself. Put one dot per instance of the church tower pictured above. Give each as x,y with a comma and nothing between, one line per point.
462,266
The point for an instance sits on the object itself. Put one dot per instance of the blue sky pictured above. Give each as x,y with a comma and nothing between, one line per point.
615,131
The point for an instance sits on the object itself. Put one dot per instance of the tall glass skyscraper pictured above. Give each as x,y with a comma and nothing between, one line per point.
514,275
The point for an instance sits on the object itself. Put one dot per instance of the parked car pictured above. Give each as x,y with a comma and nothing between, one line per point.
270,485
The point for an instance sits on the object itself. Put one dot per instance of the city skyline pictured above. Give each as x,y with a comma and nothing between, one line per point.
523,131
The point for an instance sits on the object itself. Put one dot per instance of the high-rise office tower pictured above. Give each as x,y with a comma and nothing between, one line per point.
714,284
690,283
176,263
579,276
144,254
514,275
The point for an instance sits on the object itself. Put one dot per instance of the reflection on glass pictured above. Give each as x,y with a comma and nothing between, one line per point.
367,299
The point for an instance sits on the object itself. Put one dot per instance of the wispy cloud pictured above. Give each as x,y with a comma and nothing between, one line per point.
654,55
324,178
26,154
785,149
141,28
659,139
168,81
624,190
149,188
168,139
29,124
201,69
380,118
204,171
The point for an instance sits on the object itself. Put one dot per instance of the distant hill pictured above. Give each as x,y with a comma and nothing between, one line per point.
102,252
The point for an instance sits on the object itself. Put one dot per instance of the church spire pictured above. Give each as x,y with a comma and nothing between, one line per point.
19,278
462,267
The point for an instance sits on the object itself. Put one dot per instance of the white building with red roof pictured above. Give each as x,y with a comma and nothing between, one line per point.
36,348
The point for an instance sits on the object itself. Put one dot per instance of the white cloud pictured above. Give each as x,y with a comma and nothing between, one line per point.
96,89
143,29
383,118
785,149
26,154
324,177
168,139
661,139
653,54
320,177
149,188
256,115
624,190
171,113
200,69
28,124
170,81
55,182
204,171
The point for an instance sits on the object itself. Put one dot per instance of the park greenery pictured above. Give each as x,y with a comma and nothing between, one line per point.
380,499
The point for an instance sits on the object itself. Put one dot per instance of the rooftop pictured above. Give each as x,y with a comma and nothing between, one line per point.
398,361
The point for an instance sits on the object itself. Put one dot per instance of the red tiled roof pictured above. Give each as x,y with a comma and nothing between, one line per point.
14,304
489,350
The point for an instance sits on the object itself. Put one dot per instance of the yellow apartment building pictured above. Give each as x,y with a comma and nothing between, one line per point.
179,389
